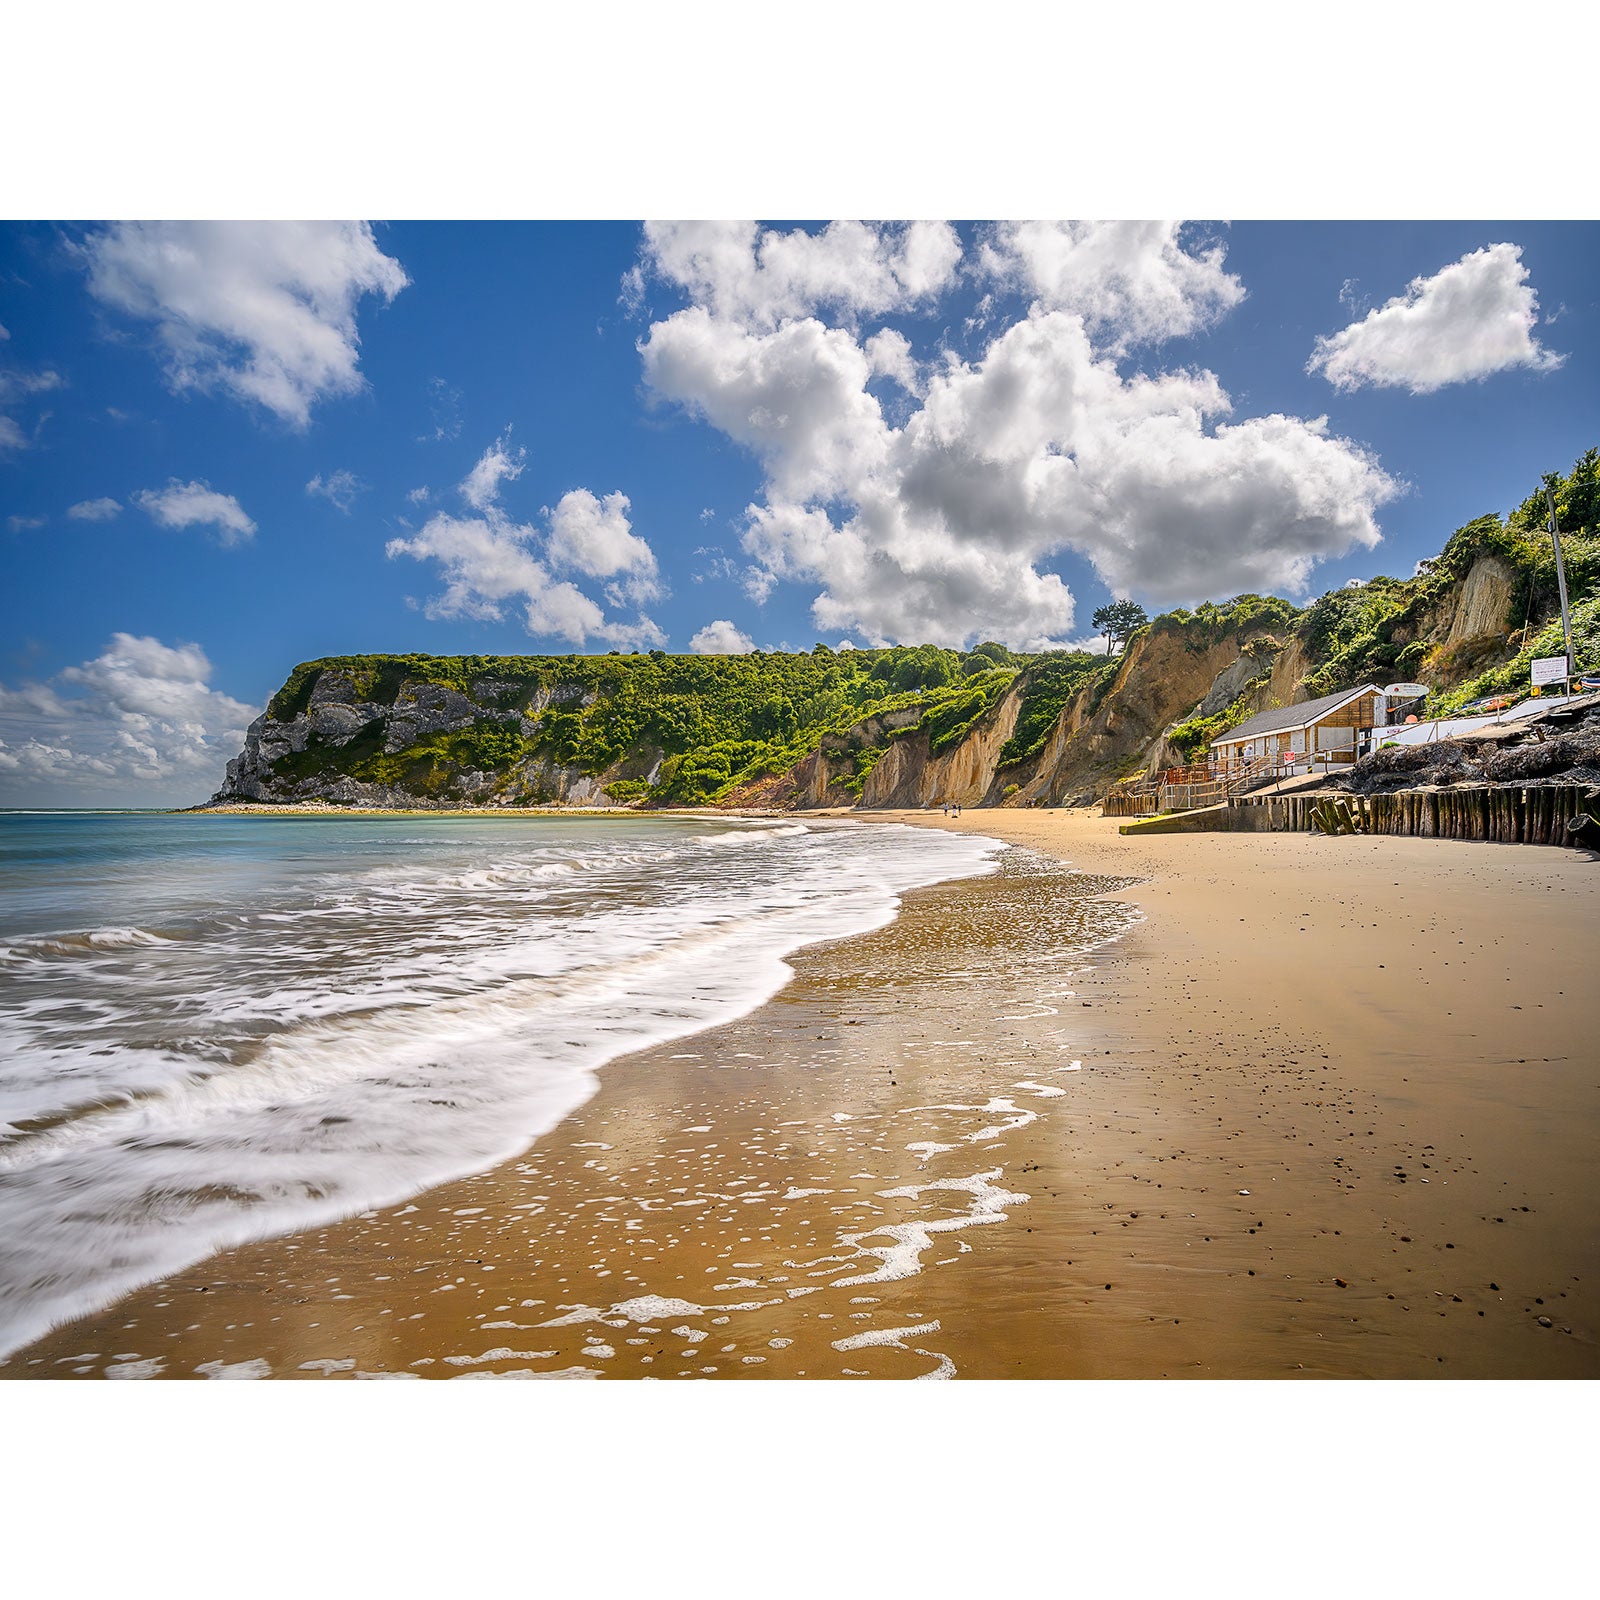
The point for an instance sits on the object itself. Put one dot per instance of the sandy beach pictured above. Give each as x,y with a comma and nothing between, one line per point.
1200,1106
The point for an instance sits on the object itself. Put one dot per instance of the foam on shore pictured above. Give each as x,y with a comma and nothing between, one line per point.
314,1022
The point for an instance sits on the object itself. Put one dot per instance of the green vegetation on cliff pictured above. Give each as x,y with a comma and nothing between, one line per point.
1373,633
712,722
1051,683
1548,641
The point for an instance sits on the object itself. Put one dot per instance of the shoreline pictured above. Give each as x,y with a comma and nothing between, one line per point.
1308,1134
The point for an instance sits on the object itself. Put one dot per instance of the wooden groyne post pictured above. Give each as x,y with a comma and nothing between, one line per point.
1504,815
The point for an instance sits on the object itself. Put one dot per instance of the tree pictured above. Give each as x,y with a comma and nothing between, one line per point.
1119,620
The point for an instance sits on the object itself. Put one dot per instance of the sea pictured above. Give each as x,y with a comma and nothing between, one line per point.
217,1028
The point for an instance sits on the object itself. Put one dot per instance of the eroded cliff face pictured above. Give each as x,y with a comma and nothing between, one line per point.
908,775
1475,629
1097,740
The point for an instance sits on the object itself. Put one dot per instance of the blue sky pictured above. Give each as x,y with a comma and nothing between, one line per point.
215,441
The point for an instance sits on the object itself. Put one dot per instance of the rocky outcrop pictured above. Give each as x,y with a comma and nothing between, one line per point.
307,757
1483,609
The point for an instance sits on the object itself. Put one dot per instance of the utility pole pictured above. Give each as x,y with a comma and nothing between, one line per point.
1561,585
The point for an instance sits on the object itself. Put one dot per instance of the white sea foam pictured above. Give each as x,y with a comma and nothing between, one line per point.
501,1354
256,1368
882,1336
520,1372
153,1367
901,1256
655,1308
288,1022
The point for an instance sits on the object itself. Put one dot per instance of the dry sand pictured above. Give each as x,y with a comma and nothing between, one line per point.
1327,1108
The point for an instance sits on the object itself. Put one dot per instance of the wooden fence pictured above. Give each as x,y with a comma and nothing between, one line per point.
1502,815
1131,803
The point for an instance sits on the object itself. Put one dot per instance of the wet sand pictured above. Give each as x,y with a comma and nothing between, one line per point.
1208,1105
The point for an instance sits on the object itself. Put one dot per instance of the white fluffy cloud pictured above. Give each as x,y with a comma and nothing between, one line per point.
594,537
197,504
139,724
1471,318
498,464
1131,282
763,278
265,311
795,397
721,638
101,510
16,386
340,488
888,353
941,528
489,560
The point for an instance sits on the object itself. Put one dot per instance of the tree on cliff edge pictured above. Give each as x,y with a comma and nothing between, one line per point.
1119,621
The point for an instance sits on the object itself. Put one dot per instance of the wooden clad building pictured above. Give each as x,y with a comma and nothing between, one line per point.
1314,733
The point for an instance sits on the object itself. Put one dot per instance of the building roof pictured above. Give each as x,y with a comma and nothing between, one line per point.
1290,719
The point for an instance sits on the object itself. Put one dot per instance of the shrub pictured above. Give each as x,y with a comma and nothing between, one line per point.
1047,687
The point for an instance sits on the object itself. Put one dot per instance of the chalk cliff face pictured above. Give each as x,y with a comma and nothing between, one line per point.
908,777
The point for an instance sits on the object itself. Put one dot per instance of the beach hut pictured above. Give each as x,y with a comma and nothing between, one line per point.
1315,733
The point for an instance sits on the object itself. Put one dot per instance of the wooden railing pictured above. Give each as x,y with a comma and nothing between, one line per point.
1189,788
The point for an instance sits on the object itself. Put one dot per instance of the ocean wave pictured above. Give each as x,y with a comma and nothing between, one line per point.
761,833
342,1044
90,941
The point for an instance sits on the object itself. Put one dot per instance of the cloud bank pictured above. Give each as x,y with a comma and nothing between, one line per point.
137,724
940,524
489,561
338,488
101,510
721,638
197,505
16,387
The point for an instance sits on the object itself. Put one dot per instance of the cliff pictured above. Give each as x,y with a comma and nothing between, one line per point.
906,727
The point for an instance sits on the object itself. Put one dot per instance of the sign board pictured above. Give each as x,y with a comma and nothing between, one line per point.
1549,669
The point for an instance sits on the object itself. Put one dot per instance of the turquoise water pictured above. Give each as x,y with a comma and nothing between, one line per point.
218,1028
